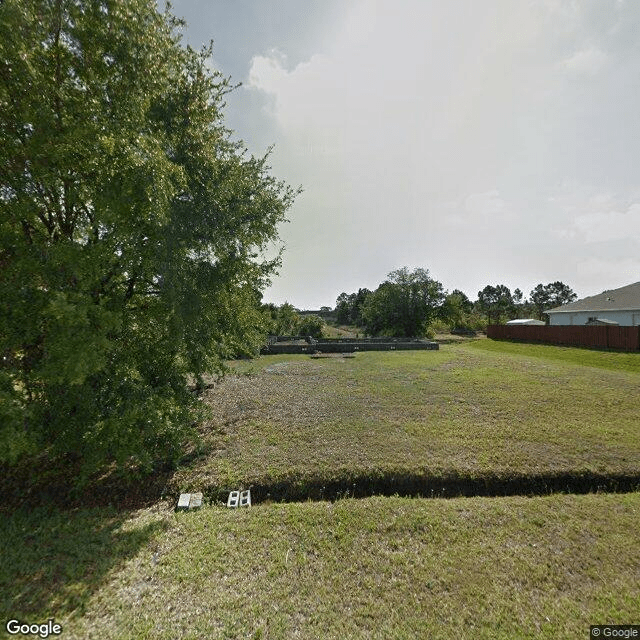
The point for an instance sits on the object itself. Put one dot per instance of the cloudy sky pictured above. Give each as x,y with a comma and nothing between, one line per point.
493,142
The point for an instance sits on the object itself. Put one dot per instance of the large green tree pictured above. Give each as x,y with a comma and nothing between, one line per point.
548,296
132,229
403,305
456,308
283,320
495,302
349,307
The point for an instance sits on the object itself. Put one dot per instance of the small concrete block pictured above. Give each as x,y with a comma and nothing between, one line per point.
183,501
196,501
234,498
245,498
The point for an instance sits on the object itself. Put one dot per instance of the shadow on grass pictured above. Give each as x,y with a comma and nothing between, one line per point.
57,486
302,487
54,560
39,481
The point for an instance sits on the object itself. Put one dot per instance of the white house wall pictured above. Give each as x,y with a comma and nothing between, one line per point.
623,318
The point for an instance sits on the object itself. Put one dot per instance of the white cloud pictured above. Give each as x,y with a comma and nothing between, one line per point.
488,205
609,225
269,74
268,71
411,105
604,273
406,109
484,208
585,62
598,218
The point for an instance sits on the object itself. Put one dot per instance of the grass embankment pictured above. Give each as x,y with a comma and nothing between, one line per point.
477,414
341,331
544,567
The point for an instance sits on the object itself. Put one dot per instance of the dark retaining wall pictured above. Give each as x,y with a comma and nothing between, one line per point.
383,339
347,347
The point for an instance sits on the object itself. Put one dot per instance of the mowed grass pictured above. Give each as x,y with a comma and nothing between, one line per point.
468,410
612,360
379,567
468,568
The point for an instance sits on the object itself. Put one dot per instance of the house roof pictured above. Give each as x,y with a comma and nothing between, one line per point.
526,321
623,299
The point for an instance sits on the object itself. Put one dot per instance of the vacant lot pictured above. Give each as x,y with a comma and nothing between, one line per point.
474,410
469,568
379,567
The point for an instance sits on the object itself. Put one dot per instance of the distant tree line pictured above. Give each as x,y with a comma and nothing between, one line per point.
499,304
411,303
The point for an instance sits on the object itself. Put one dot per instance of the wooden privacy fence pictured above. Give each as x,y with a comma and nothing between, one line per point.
602,337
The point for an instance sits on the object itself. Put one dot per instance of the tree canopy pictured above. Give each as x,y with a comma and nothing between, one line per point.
403,305
349,307
285,320
132,229
495,302
554,294
408,303
456,308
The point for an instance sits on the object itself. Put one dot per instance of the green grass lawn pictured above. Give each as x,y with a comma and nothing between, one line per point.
612,360
378,567
469,410
544,567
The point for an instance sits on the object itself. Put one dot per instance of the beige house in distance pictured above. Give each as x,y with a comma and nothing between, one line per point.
616,306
